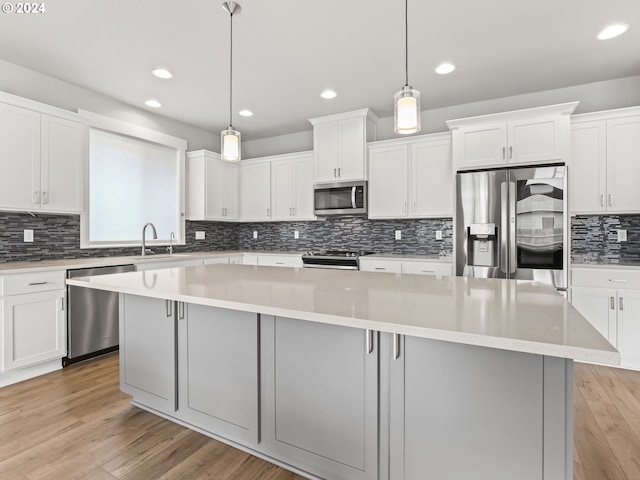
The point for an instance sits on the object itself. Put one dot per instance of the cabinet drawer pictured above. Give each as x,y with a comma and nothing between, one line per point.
390,266
605,278
280,260
424,268
19,283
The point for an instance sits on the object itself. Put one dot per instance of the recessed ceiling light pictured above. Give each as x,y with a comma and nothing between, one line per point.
246,113
153,103
328,94
445,68
162,73
613,31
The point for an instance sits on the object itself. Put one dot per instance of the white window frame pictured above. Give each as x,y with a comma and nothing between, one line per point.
111,125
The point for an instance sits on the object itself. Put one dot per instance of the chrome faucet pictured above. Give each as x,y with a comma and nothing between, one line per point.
172,237
155,237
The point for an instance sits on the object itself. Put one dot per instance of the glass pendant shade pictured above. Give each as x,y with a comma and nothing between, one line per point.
230,141
406,111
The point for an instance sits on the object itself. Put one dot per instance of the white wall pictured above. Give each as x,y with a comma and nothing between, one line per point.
51,91
605,95
593,97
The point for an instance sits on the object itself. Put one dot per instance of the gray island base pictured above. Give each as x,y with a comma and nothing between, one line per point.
347,395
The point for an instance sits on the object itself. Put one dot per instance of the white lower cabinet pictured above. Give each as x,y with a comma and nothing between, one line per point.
33,319
320,398
280,260
610,300
406,266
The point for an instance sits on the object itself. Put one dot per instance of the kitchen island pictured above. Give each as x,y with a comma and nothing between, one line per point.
356,375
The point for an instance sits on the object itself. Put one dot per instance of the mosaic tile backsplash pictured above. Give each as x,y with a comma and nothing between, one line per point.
594,238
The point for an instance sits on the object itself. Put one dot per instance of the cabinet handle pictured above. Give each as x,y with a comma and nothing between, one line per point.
428,271
621,303
294,211
45,198
335,173
62,303
510,153
31,284
36,197
268,212
602,199
611,199
369,335
279,263
616,280
504,153
339,172
290,212
613,303
414,207
404,208
181,310
379,268
168,308
396,346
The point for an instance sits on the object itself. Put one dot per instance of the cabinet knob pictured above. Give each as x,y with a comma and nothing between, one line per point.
45,198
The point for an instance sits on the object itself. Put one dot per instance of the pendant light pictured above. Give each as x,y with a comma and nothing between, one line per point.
406,109
230,138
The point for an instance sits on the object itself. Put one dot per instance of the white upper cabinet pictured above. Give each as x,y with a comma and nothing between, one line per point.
532,136
213,187
42,158
411,178
604,167
340,145
292,187
255,191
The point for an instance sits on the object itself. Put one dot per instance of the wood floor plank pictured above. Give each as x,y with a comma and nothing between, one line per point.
75,424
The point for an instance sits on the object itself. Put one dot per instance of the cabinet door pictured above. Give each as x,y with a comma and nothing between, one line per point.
431,179
427,268
481,146
282,190
255,192
535,140
629,327
303,188
320,398
450,417
623,167
148,352
64,156
388,180
19,158
373,265
218,370
352,149
598,305
587,173
213,190
33,328
229,187
325,148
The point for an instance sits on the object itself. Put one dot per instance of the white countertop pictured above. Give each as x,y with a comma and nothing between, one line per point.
505,314
90,262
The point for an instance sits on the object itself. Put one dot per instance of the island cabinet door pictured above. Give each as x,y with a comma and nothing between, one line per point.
218,371
460,411
320,398
148,352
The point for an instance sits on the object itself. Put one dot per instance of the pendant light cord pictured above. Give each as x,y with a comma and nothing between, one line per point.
406,42
231,70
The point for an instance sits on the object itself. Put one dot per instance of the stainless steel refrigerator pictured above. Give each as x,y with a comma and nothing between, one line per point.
512,223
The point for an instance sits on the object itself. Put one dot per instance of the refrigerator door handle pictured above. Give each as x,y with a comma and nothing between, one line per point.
504,227
512,227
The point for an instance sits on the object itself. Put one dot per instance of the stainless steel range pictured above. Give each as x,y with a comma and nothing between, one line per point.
338,259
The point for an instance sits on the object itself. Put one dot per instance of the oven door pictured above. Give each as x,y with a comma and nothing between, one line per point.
345,198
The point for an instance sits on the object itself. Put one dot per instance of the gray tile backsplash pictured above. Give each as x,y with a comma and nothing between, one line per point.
594,238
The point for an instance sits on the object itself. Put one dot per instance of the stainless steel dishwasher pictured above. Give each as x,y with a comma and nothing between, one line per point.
92,317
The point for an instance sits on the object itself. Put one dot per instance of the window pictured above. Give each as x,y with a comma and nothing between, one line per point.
136,176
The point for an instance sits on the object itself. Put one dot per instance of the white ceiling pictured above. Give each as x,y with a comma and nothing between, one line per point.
287,51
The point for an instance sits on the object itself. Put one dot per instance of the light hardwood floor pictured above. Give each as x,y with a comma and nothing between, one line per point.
76,424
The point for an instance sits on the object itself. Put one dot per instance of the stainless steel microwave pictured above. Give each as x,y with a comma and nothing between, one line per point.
343,198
